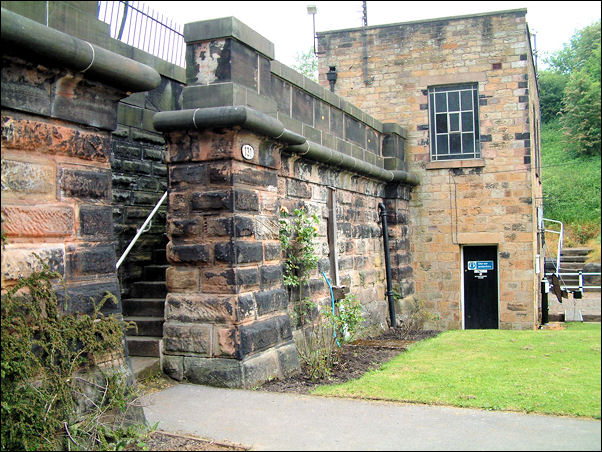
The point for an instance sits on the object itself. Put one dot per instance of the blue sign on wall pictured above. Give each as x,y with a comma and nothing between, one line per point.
480,265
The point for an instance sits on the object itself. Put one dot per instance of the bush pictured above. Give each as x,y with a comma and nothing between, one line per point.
59,389
414,317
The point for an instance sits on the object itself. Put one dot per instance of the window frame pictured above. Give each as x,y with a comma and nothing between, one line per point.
436,113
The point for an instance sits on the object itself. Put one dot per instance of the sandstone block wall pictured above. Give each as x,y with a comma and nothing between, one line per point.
56,172
490,200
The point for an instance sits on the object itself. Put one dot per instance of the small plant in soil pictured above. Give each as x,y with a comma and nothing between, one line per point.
321,331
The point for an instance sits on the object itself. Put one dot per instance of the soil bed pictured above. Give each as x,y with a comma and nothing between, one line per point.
355,359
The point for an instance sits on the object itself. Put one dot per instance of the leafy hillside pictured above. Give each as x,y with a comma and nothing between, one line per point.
570,107
571,184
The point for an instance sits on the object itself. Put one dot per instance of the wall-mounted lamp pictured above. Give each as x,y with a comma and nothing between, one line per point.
331,76
312,9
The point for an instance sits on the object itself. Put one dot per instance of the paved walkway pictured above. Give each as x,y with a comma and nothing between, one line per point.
275,421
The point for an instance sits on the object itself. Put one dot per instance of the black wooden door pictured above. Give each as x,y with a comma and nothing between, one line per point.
480,287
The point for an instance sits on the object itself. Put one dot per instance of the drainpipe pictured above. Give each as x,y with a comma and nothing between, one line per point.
383,217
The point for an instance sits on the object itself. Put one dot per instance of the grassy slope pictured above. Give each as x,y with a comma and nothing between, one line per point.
571,184
544,371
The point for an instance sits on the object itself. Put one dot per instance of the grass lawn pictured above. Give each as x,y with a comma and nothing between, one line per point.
542,371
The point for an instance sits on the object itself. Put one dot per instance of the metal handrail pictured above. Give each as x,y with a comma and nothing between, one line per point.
144,228
560,239
581,275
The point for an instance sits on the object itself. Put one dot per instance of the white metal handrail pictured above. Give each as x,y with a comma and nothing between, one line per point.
144,228
560,238
581,275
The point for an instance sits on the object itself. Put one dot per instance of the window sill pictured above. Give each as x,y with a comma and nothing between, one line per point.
468,163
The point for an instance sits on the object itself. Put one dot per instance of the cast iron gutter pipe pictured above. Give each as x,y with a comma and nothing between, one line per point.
383,217
24,37
255,121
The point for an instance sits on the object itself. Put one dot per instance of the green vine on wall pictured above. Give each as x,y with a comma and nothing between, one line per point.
320,341
55,393
298,234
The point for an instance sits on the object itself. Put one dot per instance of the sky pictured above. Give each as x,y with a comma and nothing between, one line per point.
288,25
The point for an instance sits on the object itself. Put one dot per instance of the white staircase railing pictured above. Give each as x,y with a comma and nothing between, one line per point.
144,228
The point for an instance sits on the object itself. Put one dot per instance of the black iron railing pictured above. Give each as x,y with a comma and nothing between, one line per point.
136,24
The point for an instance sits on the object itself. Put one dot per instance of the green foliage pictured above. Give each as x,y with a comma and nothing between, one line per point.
414,316
322,331
571,184
551,92
298,233
577,66
54,395
307,64
575,54
581,108
320,345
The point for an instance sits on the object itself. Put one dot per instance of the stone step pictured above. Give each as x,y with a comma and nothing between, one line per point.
570,266
575,252
147,326
579,259
154,272
159,256
145,366
149,289
144,346
153,307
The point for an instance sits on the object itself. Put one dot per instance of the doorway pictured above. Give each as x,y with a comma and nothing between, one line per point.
480,273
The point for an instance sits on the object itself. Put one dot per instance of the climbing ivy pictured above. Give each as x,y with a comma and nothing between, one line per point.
298,234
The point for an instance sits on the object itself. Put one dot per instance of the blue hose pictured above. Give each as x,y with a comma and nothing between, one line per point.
334,329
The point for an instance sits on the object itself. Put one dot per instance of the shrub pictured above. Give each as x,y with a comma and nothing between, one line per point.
59,388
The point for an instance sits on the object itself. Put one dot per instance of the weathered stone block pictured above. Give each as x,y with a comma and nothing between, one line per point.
173,366
20,262
82,297
27,177
194,308
260,368
270,274
187,227
38,221
187,337
95,221
182,279
270,301
90,260
218,200
219,372
93,185
288,359
257,337
243,226
188,253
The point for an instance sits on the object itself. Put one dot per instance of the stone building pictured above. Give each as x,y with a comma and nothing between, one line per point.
466,91
236,136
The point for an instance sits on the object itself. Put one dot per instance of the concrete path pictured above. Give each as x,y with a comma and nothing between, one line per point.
275,421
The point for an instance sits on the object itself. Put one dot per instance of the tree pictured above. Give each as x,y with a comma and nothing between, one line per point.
577,66
581,107
575,54
551,92
307,64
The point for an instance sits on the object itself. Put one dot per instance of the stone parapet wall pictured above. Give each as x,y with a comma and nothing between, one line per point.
56,172
489,200
246,144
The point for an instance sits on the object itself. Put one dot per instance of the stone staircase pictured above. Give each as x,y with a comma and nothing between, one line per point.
145,307
572,260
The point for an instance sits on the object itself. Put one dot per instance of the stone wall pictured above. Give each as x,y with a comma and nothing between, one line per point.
56,145
488,200
139,174
227,311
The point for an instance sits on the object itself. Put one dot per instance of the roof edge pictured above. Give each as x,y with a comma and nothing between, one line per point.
467,16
